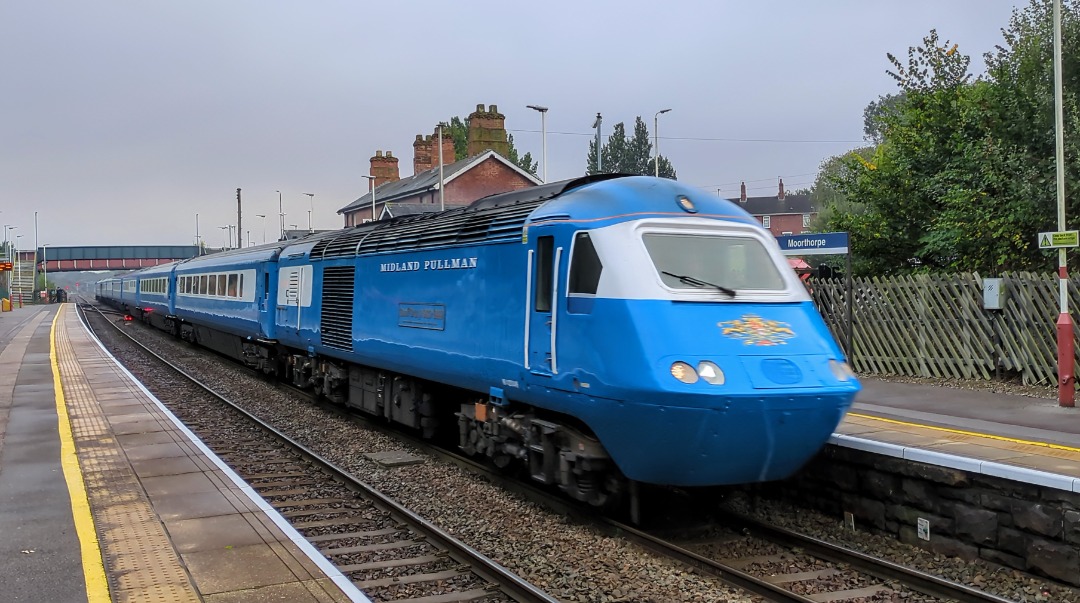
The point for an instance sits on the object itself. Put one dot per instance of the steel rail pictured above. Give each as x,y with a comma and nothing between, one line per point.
510,584
879,568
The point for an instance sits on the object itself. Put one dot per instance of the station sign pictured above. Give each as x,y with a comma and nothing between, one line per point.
818,243
1060,238
7,266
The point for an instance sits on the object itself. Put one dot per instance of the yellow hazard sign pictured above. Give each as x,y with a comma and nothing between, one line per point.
1061,238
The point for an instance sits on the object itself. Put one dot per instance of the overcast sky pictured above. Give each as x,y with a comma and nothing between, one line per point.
121,120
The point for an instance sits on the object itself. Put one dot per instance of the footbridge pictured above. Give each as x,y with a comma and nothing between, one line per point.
130,257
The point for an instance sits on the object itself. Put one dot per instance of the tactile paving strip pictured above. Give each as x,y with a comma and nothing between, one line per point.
139,559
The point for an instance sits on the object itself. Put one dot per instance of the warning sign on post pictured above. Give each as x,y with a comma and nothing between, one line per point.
1061,238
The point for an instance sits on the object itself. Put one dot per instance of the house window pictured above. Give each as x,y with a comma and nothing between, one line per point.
805,220
766,221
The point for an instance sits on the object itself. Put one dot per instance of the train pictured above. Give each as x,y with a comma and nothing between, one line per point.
595,332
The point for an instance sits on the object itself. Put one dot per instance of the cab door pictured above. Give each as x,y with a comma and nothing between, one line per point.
542,326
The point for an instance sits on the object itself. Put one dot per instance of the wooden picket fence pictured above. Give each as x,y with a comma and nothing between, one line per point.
935,325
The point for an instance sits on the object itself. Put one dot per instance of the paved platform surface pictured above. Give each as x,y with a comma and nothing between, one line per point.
1029,439
167,521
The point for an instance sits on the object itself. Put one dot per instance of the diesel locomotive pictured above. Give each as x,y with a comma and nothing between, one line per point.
591,331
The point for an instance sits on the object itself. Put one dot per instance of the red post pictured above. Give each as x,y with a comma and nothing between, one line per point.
1066,389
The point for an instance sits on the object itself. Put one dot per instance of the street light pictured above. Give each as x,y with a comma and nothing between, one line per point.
372,180
224,237
543,132
442,203
45,269
596,124
656,137
281,213
7,227
312,196
18,268
263,216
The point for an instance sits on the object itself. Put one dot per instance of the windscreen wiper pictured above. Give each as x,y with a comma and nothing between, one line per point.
689,280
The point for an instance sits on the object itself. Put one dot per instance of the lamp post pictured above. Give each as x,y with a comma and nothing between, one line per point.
312,198
1066,387
198,239
442,202
281,214
18,268
371,179
224,237
596,124
7,227
45,270
656,138
35,251
543,132
263,216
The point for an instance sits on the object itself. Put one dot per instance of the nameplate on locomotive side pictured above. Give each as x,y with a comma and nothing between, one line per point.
422,316
463,263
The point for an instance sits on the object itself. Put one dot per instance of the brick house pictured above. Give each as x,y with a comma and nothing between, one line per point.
782,213
484,172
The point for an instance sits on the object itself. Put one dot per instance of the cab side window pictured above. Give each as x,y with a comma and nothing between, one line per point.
585,267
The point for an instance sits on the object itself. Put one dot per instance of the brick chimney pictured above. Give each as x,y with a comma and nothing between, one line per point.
742,193
422,156
384,168
487,130
780,196
426,151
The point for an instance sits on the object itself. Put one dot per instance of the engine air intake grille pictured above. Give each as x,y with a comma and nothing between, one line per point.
337,307
493,219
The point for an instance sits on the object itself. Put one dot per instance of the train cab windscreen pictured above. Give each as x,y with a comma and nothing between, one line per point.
690,261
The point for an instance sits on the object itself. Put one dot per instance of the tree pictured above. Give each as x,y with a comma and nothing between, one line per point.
623,155
875,113
525,161
963,176
459,132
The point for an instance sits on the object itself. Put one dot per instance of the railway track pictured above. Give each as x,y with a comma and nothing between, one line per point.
781,566
389,552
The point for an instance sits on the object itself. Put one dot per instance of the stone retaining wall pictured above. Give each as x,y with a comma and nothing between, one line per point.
971,516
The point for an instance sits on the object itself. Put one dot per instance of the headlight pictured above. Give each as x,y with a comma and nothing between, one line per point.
841,370
710,372
684,372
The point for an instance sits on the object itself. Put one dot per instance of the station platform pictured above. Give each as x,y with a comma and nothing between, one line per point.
106,496
1025,439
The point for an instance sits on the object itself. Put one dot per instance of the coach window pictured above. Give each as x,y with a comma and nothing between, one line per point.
221,285
204,285
233,284
545,249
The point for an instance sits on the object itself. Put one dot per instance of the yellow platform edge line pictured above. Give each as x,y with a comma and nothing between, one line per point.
97,587
967,433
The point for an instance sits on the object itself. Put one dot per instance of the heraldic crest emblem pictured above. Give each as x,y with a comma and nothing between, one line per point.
755,330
